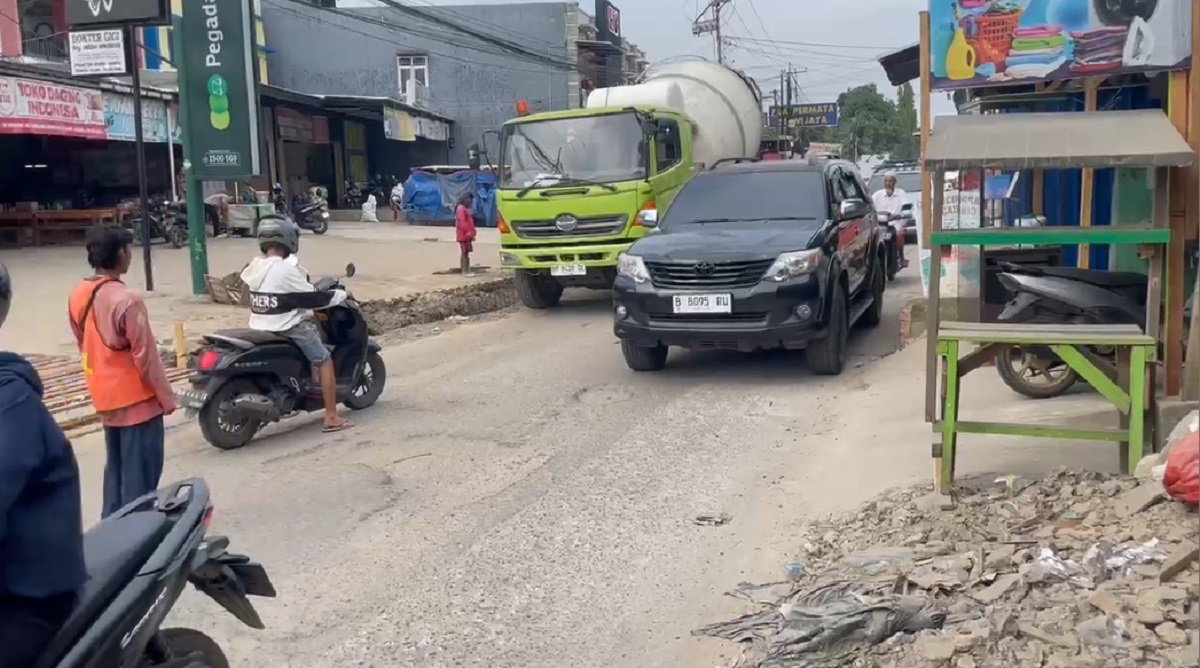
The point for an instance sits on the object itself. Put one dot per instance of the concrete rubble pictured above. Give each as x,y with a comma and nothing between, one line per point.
1074,570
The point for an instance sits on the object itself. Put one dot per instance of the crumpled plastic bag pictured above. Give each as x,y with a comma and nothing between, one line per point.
1181,479
368,210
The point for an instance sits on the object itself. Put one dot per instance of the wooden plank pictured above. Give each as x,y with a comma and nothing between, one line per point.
934,306
1154,273
1090,329
1042,431
1052,236
1087,179
926,63
1047,334
1178,109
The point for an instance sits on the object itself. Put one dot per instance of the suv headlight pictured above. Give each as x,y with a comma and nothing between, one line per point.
632,267
793,264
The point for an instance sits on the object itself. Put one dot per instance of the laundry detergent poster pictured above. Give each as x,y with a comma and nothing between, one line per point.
996,42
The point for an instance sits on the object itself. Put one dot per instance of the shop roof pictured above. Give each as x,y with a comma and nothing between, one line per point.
365,106
1098,140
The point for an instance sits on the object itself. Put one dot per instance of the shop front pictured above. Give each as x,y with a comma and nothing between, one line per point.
70,160
305,157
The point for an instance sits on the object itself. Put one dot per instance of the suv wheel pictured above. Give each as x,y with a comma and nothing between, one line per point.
827,355
643,358
874,314
536,290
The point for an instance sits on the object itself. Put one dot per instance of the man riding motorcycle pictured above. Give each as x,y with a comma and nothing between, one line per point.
890,200
281,299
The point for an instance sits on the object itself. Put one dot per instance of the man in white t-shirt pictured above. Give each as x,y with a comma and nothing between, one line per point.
890,199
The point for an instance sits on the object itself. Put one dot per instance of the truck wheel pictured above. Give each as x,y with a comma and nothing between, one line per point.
537,290
827,355
642,358
873,316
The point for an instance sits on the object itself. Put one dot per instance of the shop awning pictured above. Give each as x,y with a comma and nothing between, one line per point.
598,45
1066,140
374,106
902,66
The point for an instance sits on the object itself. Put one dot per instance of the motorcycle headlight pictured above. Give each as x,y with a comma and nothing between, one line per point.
325,214
793,264
632,267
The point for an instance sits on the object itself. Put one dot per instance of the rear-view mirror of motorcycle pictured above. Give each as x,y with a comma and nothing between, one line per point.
351,270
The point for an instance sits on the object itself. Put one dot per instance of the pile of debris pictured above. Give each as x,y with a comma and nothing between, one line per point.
1075,570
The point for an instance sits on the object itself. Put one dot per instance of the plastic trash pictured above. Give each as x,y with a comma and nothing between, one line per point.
368,210
1181,478
1105,561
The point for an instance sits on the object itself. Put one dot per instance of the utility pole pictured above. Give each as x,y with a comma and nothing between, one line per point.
704,26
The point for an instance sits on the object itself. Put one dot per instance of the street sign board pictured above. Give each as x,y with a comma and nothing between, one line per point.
95,13
807,115
98,52
222,90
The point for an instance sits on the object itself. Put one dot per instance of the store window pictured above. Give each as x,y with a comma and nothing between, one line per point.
412,69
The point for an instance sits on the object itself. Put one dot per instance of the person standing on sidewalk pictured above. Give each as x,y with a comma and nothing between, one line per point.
464,232
122,368
216,209
41,524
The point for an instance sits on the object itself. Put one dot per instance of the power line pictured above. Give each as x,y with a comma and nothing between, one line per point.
703,26
825,46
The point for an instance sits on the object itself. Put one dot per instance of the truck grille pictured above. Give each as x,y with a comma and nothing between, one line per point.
602,226
696,275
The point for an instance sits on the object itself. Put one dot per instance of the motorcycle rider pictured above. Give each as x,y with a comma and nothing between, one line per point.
281,299
891,199
41,522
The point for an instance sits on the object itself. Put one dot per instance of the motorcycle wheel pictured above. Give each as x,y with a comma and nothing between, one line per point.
184,643
320,226
893,265
177,236
371,385
1016,379
216,429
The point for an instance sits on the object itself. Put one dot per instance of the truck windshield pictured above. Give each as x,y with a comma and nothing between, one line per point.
788,198
590,148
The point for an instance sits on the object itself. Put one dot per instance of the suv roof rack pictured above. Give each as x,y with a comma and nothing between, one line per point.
732,161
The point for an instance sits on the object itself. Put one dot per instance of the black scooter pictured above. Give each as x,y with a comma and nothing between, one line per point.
168,221
309,215
139,560
246,378
891,246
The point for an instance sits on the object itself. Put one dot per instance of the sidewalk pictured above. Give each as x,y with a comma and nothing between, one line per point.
393,260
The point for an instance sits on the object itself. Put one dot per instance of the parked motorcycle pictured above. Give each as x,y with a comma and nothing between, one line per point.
310,214
1063,295
891,245
354,196
246,378
168,221
140,559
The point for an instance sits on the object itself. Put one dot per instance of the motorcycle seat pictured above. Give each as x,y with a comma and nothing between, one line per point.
1104,279
245,339
114,551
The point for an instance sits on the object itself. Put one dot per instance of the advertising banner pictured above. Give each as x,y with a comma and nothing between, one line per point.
98,53
819,115
29,107
222,91
995,42
112,12
118,119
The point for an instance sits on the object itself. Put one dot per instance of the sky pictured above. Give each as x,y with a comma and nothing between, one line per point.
833,43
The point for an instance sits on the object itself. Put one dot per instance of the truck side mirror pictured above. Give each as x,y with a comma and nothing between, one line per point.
648,218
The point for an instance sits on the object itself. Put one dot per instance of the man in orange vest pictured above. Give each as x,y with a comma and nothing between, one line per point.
123,370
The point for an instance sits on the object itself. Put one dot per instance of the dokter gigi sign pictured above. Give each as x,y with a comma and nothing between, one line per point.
997,42
29,107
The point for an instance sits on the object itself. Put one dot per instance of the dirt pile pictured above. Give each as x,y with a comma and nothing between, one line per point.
385,315
1075,570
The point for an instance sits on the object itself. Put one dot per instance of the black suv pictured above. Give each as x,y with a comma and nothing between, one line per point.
755,255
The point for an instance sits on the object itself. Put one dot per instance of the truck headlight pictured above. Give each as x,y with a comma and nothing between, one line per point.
793,264
632,267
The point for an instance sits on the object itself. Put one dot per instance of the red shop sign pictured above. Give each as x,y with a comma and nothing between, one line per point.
29,107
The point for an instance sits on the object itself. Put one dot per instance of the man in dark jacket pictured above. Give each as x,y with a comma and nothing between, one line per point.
41,523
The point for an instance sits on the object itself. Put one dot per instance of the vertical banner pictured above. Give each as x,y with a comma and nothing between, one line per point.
223,110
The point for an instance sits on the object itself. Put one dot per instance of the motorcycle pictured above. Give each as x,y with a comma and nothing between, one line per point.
310,214
891,246
168,221
1064,295
140,559
247,378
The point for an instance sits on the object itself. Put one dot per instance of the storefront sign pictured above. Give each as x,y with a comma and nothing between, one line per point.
295,126
118,119
398,125
98,53
960,210
222,90
29,107
1027,41
608,22
821,115
113,12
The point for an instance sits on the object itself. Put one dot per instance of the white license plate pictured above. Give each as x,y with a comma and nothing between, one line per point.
568,270
703,303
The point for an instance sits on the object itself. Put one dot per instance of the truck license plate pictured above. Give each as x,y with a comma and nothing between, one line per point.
703,303
568,270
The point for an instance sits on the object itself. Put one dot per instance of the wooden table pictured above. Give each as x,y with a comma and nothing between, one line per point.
52,226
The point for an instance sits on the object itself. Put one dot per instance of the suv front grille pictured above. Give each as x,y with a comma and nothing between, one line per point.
692,275
601,226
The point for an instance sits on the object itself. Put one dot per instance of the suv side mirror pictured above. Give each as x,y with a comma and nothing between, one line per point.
852,208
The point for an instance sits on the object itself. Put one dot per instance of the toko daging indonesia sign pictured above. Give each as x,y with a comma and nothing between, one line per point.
223,110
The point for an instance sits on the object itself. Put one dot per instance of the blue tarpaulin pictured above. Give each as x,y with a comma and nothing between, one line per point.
431,198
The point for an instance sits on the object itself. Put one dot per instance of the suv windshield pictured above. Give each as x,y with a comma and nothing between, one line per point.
792,198
590,148
909,182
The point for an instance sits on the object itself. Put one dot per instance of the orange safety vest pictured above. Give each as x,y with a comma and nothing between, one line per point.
112,375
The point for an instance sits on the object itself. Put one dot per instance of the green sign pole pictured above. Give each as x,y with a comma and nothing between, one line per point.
197,234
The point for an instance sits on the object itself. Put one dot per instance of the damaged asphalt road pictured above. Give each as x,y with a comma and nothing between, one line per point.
517,498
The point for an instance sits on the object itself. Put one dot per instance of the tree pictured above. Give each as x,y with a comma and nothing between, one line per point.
906,108
868,122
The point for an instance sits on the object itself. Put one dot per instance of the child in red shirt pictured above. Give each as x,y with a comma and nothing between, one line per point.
464,231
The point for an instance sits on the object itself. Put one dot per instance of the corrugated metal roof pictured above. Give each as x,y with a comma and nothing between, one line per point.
1097,140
